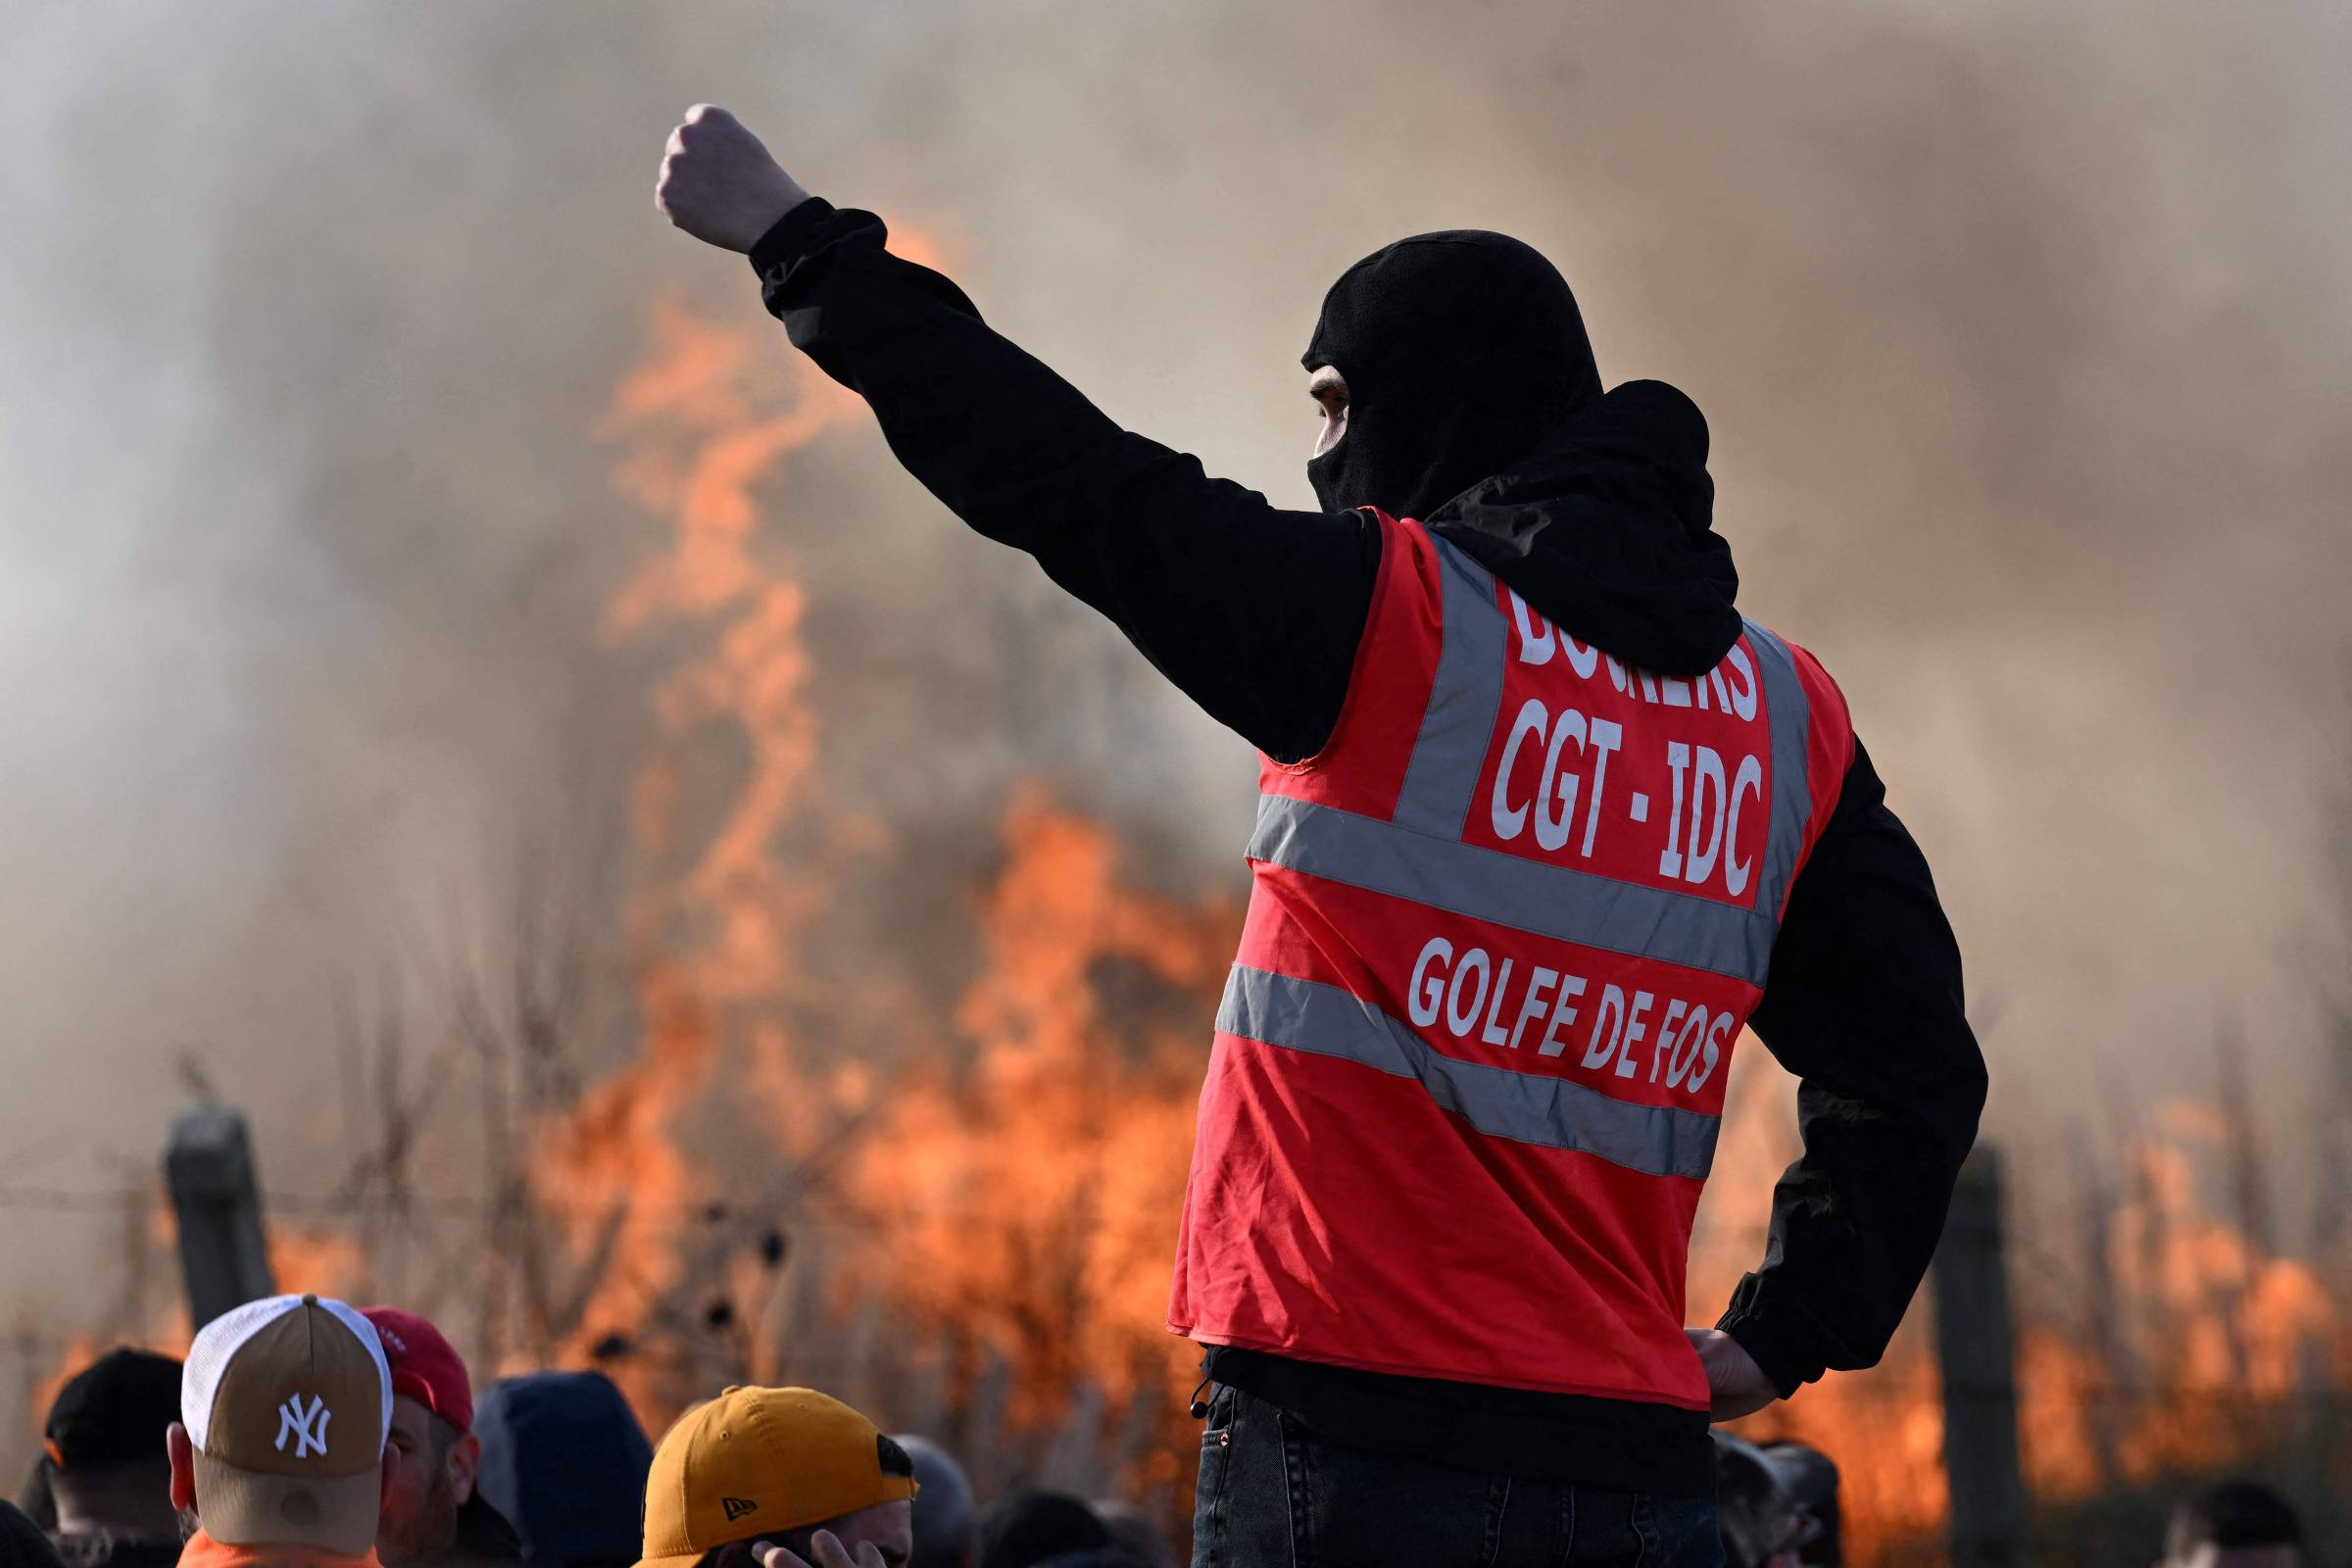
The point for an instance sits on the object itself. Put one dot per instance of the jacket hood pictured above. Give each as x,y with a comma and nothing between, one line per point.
1608,532
564,1460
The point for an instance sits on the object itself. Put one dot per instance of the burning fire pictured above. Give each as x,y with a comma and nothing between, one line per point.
2202,1339
1030,1201
1004,1195
712,929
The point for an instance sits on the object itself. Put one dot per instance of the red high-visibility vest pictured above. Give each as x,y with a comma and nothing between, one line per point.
1503,930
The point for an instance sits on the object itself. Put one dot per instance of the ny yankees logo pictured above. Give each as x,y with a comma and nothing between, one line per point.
308,1428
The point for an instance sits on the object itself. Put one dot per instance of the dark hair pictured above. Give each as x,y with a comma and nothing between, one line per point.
22,1543
102,1488
2234,1513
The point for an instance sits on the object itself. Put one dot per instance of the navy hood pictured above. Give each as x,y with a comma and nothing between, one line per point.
564,1460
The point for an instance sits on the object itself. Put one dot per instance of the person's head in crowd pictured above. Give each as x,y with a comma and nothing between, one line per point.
776,1467
1761,1524
1810,1478
1026,1528
23,1544
947,1521
565,1461
2238,1524
285,1406
110,1479
1134,1535
431,1514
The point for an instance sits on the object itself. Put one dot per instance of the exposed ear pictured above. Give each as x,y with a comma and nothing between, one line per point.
390,1468
182,1454
464,1463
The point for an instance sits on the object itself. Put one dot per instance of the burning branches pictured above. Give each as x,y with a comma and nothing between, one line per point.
942,1176
1027,1203
709,928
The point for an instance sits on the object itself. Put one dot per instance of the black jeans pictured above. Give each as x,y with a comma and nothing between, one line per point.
1274,1494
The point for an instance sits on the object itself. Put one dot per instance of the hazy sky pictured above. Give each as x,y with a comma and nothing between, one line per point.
2021,328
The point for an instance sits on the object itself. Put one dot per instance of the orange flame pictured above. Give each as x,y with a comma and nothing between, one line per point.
712,930
1033,1200
1013,1198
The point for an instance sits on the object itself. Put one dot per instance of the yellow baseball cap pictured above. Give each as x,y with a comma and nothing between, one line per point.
754,1463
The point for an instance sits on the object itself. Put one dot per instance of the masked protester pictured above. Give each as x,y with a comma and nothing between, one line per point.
1543,820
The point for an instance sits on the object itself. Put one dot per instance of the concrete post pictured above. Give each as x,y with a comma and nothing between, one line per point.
1974,1351
223,1251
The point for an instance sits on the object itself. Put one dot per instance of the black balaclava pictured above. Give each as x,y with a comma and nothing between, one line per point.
1463,351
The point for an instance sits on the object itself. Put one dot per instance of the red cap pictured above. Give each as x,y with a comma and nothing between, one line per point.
424,1366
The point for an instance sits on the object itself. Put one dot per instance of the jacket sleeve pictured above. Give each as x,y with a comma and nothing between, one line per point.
1252,612
1863,1004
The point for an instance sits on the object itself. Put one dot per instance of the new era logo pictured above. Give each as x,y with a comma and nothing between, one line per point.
736,1507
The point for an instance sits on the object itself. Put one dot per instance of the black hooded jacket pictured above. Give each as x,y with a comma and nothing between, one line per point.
1254,612
1609,530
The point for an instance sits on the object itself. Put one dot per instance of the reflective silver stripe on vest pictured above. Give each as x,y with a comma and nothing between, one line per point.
1552,900
1792,720
1526,1107
1442,774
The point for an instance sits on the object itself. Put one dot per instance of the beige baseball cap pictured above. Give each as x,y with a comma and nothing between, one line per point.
288,1402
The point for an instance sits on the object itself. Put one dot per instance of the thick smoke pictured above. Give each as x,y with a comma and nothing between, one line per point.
2021,330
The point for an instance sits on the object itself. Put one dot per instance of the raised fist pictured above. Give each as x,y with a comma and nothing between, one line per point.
718,182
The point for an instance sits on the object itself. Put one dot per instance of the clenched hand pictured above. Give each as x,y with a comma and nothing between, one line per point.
1736,1385
719,183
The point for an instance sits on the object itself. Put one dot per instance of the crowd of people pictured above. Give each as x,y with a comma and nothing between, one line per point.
302,1433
